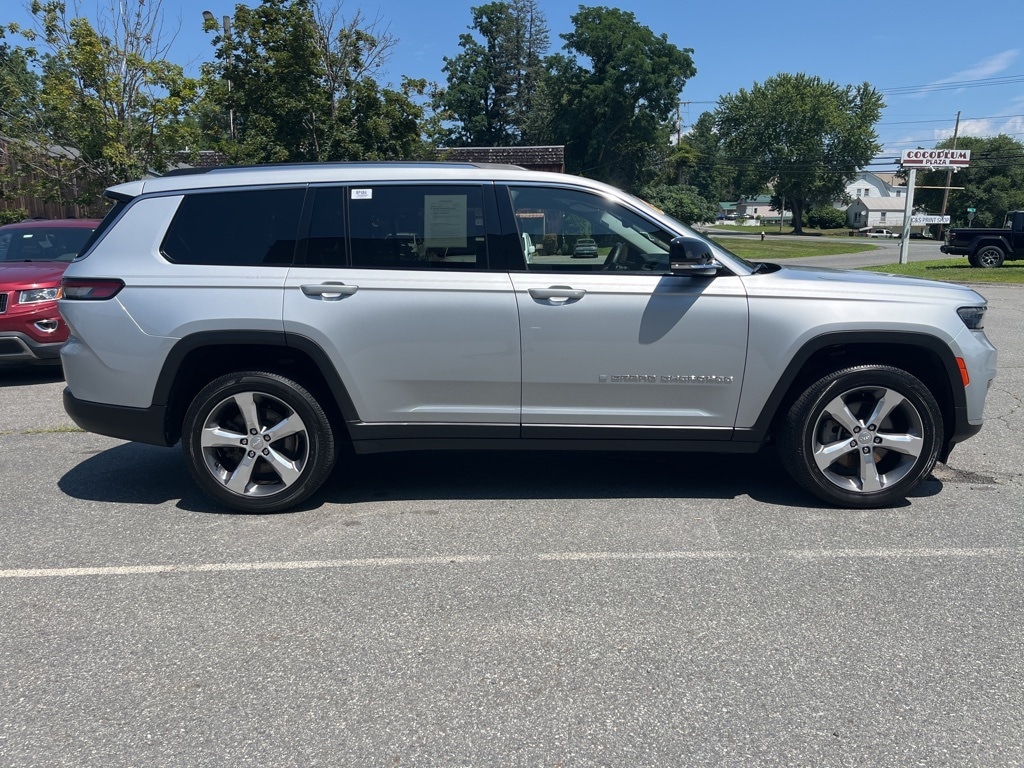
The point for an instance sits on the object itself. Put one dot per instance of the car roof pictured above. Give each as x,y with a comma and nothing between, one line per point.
54,224
343,172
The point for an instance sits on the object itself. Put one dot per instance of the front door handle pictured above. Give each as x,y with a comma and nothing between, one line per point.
558,292
329,290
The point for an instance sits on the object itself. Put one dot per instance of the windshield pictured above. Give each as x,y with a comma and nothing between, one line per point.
42,243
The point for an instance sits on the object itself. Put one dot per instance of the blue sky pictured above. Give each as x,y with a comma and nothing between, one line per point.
930,60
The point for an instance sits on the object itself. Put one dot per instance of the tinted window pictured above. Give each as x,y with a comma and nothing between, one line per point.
417,227
326,245
568,230
108,220
245,228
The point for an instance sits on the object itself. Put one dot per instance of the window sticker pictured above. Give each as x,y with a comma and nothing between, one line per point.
362,194
444,221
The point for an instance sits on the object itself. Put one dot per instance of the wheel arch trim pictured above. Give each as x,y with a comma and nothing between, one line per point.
164,390
988,240
883,339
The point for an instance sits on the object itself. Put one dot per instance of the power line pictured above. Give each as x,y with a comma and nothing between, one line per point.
952,85
946,120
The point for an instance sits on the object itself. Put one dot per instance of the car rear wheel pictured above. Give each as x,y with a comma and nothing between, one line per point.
257,442
989,257
862,437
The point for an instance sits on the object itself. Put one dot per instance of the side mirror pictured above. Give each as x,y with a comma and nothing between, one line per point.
691,257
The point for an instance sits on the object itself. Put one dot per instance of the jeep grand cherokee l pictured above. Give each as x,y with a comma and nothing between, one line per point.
264,315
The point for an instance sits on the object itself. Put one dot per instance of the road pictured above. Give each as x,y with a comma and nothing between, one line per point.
508,609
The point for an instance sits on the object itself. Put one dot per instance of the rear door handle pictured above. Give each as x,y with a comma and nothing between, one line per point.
329,290
558,292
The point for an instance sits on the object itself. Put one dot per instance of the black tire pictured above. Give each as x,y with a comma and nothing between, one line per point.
862,437
989,257
973,260
257,442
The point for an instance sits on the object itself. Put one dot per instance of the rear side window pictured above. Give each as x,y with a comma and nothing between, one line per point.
242,228
108,220
417,227
326,244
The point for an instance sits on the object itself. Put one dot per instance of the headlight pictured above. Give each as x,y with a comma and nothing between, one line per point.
36,295
972,317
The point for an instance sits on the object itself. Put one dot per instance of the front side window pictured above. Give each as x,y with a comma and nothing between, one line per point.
417,227
570,230
241,228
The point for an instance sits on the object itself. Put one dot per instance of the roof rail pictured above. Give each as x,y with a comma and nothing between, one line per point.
362,163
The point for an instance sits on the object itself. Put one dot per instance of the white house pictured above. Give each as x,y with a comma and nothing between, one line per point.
753,211
870,211
870,184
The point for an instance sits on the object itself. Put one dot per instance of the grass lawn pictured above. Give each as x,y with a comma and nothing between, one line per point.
770,230
773,250
956,270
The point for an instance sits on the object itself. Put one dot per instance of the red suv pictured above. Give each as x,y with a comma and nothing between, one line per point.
33,256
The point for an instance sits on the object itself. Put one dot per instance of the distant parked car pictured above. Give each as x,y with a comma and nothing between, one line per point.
585,248
881,233
33,257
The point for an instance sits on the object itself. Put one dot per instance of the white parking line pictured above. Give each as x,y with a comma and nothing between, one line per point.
296,565
392,562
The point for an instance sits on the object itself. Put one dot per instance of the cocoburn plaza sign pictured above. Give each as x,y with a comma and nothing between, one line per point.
952,159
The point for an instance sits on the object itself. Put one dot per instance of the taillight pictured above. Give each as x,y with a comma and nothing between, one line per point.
90,289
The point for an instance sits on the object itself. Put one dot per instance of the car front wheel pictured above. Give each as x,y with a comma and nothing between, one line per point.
862,437
257,442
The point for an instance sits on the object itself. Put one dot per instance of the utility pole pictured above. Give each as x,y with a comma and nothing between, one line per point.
226,20
679,120
949,175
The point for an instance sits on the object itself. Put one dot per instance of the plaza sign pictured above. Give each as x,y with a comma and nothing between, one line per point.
952,159
911,160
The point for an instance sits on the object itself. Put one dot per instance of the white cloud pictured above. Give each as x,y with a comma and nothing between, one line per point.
989,67
1010,124
986,68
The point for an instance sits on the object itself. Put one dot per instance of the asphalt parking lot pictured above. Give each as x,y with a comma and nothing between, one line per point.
509,609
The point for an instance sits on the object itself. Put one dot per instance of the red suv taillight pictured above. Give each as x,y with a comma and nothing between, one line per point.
89,289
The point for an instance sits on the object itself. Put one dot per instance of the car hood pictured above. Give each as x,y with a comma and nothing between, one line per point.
857,283
18,274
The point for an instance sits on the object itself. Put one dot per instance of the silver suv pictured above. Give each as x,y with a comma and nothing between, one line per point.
265,316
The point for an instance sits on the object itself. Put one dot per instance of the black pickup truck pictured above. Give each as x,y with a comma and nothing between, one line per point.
988,248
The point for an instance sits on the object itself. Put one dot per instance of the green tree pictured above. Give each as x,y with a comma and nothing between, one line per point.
19,89
799,135
493,84
110,106
612,95
19,97
826,217
297,81
681,202
710,173
271,65
993,183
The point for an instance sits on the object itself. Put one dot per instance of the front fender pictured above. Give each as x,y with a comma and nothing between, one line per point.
858,347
